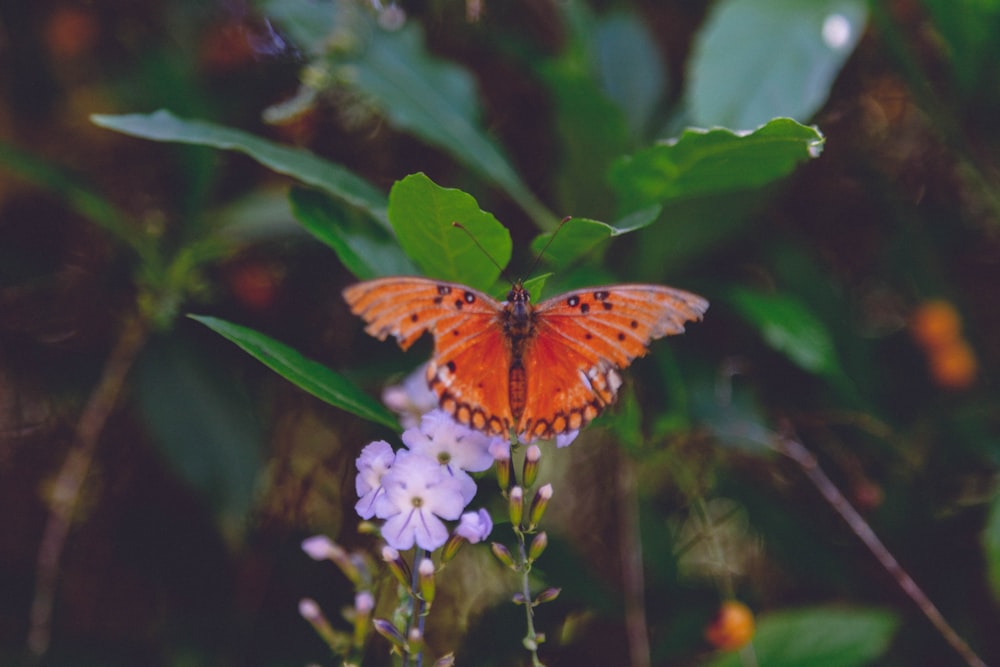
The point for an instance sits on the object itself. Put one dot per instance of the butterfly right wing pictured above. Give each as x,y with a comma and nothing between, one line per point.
469,368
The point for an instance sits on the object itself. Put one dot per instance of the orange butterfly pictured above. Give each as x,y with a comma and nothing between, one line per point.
540,371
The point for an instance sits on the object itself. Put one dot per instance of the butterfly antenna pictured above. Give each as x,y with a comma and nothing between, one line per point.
479,245
552,238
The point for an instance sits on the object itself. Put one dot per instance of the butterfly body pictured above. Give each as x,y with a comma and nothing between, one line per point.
535,370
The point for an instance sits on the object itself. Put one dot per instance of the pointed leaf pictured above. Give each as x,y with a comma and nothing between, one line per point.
368,251
578,236
437,101
307,374
788,326
757,59
422,214
702,163
295,162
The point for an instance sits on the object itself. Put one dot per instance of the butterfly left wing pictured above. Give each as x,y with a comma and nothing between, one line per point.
468,371
583,338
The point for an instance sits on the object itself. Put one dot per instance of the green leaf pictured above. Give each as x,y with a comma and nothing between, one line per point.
79,197
306,374
758,59
422,214
991,545
630,68
203,425
578,236
819,637
366,250
331,178
702,163
436,100
788,326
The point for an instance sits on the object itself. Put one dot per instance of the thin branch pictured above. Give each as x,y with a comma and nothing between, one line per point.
796,451
69,483
633,577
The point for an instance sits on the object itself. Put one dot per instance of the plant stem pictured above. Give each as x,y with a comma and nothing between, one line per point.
633,577
530,639
72,474
810,466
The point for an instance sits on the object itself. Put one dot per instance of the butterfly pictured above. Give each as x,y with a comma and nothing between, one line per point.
538,371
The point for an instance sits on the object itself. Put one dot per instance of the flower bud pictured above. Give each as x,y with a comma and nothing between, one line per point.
518,598
504,467
538,505
397,566
447,660
427,587
503,555
548,595
451,547
537,546
389,631
531,463
515,506
310,611
364,603
415,641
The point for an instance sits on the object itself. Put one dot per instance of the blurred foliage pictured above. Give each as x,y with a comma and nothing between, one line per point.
834,255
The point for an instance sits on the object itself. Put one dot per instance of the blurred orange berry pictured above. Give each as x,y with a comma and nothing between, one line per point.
255,284
935,323
953,366
70,32
732,628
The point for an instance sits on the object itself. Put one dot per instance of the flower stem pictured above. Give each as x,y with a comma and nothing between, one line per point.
524,566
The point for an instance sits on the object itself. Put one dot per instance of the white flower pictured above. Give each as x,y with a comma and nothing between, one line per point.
475,526
374,462
411,398
418,494
457,448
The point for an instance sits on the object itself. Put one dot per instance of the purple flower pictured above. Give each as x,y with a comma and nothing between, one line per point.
475,526
455,447
375,461
419,492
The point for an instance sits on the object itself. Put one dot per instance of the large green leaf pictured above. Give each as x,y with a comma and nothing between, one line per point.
307,374
758,59
819,637
703,163
630,68
203,425
366,250
788,326
437,101
295,162
423,213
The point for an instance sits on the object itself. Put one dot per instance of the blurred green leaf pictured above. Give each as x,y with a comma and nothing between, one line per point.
788,326
295,162
203,425
819,637
366,250
306,374
422,214
578,236
991,545
436,100
79,197
630,68
758,59
702,163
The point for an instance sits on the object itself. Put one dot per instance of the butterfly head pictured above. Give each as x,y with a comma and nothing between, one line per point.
519,299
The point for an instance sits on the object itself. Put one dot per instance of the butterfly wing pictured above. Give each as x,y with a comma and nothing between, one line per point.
582,339
471,354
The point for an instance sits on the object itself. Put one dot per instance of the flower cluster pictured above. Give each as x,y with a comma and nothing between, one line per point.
416,488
